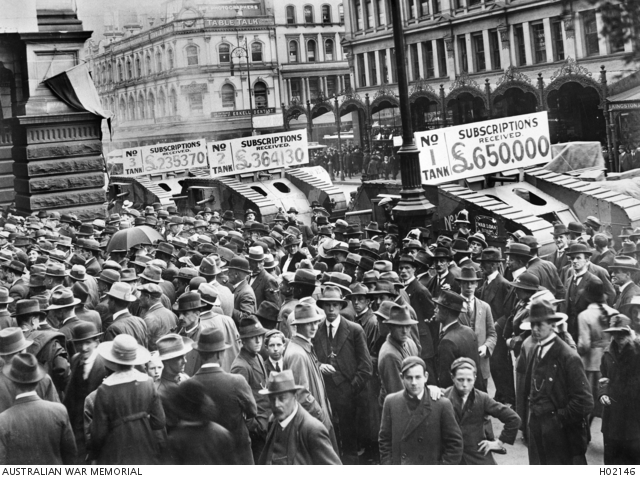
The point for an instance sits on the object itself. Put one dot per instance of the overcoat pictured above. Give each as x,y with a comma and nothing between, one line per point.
244,300
485,330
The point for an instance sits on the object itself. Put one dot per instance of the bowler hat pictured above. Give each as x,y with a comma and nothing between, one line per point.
522,250
124,350
542,310
28,307
491,255
24,369
468,273
240,264
85,330
560,229
211,340
62,298
12,341
527,281
400,316
305,313
442,253
578,248
450,300
189,402
575,227
250,327
594,291
122,292
172,346
188,302
279,383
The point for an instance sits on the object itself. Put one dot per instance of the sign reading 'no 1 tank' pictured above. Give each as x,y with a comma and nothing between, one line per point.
476,149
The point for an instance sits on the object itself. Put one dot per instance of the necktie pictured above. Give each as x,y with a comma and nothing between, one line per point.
440,336
277,367
537,358
330,331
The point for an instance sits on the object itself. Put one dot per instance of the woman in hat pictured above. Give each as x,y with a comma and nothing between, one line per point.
128,417
290,262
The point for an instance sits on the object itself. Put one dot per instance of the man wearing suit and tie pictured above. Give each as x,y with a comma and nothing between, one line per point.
622,269
559,257
244,299
274,342
444,278
477,315
265,287
341,347
87,374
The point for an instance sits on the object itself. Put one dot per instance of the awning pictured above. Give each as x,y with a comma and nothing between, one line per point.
627,100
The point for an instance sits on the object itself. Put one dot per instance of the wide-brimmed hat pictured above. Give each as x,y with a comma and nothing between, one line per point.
578,248
542,310
331,294
619,323
188,302
152,273
62,298
211,340
124,350
450,300
85,330
399,316
624,263
241,264
12,341
527,281
172,346
24,369
491,255
4,296
281,382
518,249
305,313
28,307
250,327
468,273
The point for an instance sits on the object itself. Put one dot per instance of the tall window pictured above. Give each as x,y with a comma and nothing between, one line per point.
141,107
427,60
260,95
463,62
132,108
151,106
129,70
521,55
256,52
192,55
424,8
381,17
223,53
558,42
591,46
158,62
373,71
361,70
341,13
171,59
138,67
394,67
442,57
195,103
328,50
326,14
149,65
293,51
436,6
296,89
494,46
122,110
415,62
162,103
291,14
173,103
539,42
331,86
368,5
308,14
411,8
478,52
358,11
613,15
311,51
228,94
382,56
120,74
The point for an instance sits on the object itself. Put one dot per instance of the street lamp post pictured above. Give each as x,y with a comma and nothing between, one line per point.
240,52
413,209
340,155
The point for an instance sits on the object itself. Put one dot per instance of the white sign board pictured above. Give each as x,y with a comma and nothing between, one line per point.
154,159
476,149
256,153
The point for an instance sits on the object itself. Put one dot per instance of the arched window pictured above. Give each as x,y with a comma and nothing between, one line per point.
291,14
308,14
141,107
171,62
149,65
132,108
260,95
326,14
228,94
123,110
138,67
162,103
293,51
120,73
129,70
311,51
224,53
256,52
328,50
158,62
151,106
173,103
192,55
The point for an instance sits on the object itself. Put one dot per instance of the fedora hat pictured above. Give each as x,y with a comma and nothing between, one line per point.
304,277
366,263
424,258
35,281
370,248
491,255
331,294
478,238
124,350
305,313
354,259
256,253
56,270
209,267
542,310
560,229
358,289
16,266
593,222
370,277
450,300
279,383
259,228
384,287
4,296
461,245
240,264
250,327
341,280
353,230
29,307
269,262
408,259
468,273
188,302
121,291
578,248
628,247
527,281
341,247
268,311
211,340
152,289
517,249
166,248
109,276
78,272
172,346
85,330
392,277
373,227
24,369
624,263
619,323
152,273
384,310
187,273
12,341
62,298
399,316
442,253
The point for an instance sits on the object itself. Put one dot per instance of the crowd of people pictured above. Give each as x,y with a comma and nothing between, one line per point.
219,340
378,163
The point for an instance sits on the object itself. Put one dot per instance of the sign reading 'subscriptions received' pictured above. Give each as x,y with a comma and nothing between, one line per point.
477,149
